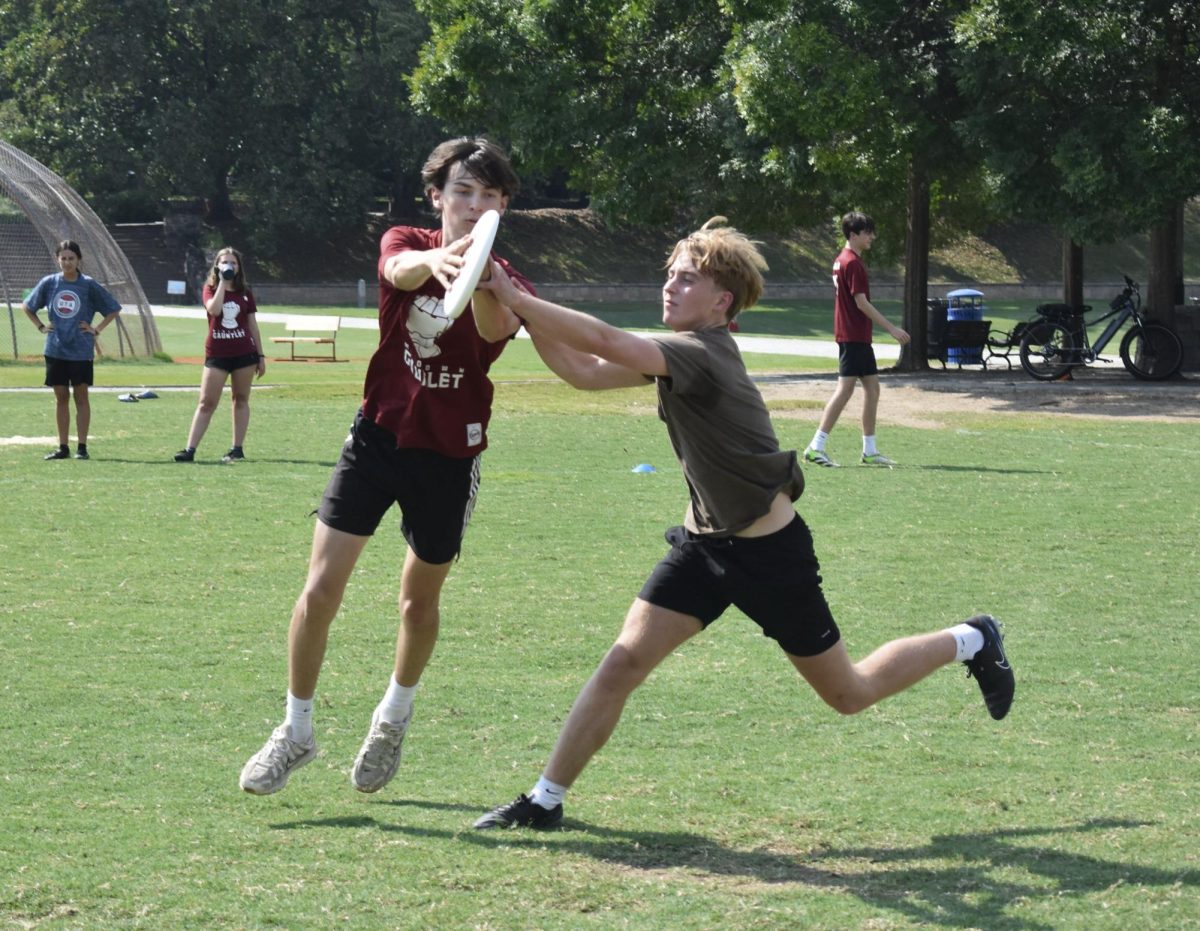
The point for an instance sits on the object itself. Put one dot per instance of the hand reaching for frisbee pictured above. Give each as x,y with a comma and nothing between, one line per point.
447,262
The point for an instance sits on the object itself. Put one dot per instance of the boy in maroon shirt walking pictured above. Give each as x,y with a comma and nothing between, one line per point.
853,318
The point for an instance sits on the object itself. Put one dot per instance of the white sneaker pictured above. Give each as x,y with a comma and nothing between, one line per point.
268,770
878,459
379,757
818,457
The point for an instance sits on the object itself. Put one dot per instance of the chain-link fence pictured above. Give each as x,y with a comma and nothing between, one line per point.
38,209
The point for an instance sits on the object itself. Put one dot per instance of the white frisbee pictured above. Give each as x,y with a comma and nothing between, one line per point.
475,259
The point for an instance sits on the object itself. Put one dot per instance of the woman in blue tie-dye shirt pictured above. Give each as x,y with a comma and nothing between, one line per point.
72,301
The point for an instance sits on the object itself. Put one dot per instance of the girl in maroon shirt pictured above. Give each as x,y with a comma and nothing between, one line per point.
232,352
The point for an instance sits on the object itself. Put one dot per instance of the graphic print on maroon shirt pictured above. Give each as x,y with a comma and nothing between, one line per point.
228,335
427,383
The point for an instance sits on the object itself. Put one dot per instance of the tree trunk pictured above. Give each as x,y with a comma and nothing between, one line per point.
916,270
219,204
1164,283
1072,269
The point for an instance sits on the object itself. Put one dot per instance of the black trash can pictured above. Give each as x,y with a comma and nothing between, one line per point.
935,329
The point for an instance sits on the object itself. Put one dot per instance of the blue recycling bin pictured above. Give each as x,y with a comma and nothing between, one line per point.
964,304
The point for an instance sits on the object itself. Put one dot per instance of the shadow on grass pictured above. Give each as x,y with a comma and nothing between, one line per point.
926,467
968,880
206,463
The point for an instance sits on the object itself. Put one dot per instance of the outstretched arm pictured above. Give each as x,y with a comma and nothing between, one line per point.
493,320
408,270
582,333
582,369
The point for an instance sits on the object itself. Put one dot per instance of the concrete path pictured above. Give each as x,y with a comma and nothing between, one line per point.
783,346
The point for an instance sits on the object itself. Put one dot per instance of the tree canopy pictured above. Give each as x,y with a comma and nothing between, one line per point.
1088,113
631,99
297,109
299,116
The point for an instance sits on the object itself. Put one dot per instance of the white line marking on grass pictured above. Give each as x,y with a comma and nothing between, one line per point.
28,440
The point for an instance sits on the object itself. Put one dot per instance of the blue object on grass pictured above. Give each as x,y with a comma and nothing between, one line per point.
643,467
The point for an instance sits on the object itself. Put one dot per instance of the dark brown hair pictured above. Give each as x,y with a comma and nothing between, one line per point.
483,159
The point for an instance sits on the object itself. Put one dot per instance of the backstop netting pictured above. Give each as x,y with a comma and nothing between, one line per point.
38,209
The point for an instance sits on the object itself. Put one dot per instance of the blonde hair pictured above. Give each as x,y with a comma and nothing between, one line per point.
730,258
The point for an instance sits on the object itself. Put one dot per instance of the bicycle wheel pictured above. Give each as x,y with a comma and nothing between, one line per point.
1152,351
1046,350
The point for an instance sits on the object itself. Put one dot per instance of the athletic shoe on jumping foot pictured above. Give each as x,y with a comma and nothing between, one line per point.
521,813
990,667
234,455
878,459
82,453
185,455
818,457
379,757
61,453
268,770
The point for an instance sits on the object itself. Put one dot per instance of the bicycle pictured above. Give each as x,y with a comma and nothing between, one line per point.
1057,340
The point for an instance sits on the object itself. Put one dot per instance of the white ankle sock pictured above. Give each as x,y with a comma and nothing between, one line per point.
967,641
547,794
299,717
818,441
397,702
869,445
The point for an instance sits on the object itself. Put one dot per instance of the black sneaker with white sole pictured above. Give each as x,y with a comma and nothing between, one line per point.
521,813
990,667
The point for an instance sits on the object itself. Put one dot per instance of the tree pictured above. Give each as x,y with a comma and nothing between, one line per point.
1089,115
867,90
289,117
784,111
630,98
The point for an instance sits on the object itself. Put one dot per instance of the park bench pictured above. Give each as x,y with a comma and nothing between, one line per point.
310,330
1002,344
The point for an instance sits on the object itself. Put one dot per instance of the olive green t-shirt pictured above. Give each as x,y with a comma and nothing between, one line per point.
721,433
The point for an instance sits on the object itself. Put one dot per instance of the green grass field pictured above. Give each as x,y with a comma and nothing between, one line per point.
143,614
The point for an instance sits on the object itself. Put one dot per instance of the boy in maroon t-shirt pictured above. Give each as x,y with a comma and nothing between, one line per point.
853,317
416,442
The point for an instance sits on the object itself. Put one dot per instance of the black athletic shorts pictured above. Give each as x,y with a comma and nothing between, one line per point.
68,372
231,363
436,493
856,360
775,580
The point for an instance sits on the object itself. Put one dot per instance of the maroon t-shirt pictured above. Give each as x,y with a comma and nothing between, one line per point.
850,325
228,334
427,383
